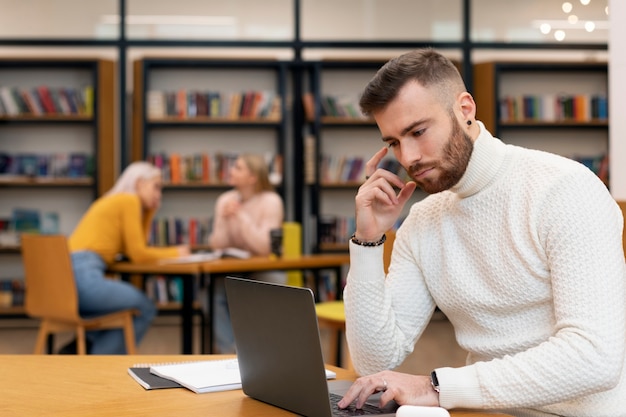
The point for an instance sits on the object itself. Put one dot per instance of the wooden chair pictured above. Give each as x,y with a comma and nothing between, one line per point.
51,294
331,314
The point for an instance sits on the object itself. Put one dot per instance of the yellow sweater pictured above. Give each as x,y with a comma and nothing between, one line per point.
115,225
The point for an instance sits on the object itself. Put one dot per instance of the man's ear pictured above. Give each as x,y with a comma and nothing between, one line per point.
467,106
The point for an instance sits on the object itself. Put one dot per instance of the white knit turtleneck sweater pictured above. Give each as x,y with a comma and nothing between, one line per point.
524,256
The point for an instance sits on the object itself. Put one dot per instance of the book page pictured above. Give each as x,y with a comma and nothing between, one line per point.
202,376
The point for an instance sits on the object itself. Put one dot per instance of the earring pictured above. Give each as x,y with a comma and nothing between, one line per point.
469,122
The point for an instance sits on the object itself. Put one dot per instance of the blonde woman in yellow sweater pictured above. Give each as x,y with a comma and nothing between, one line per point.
118,224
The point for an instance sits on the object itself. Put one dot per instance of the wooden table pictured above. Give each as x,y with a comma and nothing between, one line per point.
98,386
224,266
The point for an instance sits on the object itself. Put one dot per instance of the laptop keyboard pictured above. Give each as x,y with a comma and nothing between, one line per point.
367,409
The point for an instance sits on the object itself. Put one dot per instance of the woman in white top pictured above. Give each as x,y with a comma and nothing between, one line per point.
243,219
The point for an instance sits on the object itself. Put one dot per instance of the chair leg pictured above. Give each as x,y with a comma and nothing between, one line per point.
42,338
50,344
333,339
348,361
129,335
80,341
339,346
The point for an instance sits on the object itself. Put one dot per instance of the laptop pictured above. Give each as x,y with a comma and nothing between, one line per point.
279,350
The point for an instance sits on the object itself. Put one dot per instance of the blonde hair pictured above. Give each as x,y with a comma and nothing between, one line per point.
259,168
127,182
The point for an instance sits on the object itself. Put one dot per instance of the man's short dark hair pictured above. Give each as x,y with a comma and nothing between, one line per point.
426,66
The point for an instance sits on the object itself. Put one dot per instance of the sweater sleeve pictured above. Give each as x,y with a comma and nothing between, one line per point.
386,314
219,237
134,233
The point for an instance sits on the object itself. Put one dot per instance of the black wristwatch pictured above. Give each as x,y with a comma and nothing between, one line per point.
434,381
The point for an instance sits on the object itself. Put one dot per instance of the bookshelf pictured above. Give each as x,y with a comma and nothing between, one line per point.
559,107
338,143
202,113
57,157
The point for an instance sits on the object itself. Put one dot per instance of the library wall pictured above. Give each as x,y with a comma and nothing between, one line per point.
438,22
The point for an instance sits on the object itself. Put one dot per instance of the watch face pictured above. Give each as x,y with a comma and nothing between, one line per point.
434,381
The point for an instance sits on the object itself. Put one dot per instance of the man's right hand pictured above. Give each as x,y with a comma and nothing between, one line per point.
377,204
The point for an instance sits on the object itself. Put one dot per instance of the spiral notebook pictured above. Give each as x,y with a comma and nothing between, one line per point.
198,376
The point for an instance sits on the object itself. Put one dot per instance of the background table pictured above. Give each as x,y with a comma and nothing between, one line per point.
192,270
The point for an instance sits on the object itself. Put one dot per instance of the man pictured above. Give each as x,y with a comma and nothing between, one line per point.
519,248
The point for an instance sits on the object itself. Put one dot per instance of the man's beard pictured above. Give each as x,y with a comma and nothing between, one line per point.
456,156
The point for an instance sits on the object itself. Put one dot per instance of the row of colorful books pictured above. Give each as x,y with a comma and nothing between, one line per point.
167,231
341,168
30,220
336,229
324,285
183,104
554,107
67,165
343,106
168,289
204,167
338,169
46,100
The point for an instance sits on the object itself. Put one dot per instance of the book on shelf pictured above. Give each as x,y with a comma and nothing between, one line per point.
50,223
88,100
78,164
46,99
164,289
8,103
26,220
308,104
27,164
310,166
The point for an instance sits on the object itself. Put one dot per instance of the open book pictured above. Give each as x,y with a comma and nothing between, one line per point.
209,256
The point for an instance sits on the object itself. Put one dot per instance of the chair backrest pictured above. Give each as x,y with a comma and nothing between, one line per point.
50,287
388,247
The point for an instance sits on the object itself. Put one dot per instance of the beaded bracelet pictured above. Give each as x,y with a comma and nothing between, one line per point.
361,243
